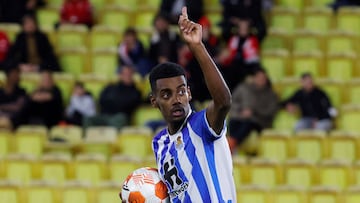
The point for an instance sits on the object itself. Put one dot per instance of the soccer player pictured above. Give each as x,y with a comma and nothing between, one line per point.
192,153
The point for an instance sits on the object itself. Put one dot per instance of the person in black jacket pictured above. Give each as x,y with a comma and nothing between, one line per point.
32,49
315,106
172,8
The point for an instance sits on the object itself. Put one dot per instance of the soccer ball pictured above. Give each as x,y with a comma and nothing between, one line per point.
144,186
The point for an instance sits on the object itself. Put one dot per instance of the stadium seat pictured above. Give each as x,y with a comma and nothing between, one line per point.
336,174
241,173
349,117
104,62
76,192
285,19
65,82
300,173
108,192
287,87
310,145
320,3
11,30
129,5
310,62
69,133
343,147
351,195
101,133
11,192
286,194
341,66
275,63
146,113
320,194
209,5
94,83
72,36
340,42
334,89
265,172
276,39
318,19
144,20
307,40
58,164
253,193
284,120
74,61
348,19
90,168
152,4
356,172
29,81
297,4
47,17
19,168
353,91
274,145
121,166
135,141
6,138
29,142
41,191
115,17
104,37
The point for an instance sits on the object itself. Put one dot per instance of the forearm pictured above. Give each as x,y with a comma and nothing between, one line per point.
214,81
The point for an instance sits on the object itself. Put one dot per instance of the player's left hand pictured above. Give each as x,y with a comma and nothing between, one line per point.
191,32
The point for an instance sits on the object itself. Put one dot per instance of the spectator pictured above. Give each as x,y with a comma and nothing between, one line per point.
4,47
12,99
131,52
315,106
251,9
32,49
81,105
46,103
118,101
77,12
164,42
13,11
339,3
254,107
172,8
241,55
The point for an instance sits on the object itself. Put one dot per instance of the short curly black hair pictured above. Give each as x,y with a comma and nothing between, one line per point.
165,70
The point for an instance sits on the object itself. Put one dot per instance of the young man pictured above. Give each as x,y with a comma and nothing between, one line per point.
192,154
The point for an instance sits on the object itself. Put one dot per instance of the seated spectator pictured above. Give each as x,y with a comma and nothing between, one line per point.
81,105
172,8
32,49
315,107
164,42
4,47
12,100
117,101
131,52
46,105
241,55
77,12
254,107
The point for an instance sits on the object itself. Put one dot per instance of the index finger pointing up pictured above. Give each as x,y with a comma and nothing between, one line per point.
184,12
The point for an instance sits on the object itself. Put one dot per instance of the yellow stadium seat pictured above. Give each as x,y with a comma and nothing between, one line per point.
324,195
307,40
353,90
274,144
19,168
130,5
135,141
69,133
284,120
320,3
336,174
210,5
349,116
253,193
310,145
104,148
74,61
286,194
275,63
348,19
343,147
153,4
58,164
11,192
104,62
54,3
31,143
95,83
41,191
97,6
318,19
146,113
339,42
76,192
65,83
6,138
108,192
310,62
144,20
334,90
341,66
356,172
286,87
72,36
11,30
47,18
285,19
300,173
29,81
351,195
298,4
240,171
265,172
104,37
90,168
276,39
121,166
101,133
115,17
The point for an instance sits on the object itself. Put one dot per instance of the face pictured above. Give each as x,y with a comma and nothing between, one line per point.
79,90
161,24
29,25
260,79
307,83
46,80
172,97
243,27
126,75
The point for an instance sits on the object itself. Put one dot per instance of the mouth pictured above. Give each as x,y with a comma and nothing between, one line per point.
178,112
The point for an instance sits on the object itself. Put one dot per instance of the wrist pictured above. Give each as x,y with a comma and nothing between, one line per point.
196,45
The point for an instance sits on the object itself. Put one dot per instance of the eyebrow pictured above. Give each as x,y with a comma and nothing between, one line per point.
167,89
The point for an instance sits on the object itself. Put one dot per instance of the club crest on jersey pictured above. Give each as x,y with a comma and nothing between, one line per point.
179,143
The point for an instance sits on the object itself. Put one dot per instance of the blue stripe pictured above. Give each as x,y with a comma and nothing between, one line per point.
165,149
187,197
196,172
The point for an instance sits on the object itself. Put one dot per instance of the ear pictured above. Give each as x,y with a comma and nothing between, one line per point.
189,93
153,101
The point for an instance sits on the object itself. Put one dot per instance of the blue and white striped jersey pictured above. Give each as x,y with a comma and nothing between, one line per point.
195,163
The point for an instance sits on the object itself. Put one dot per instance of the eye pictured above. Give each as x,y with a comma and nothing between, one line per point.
182,92
165,95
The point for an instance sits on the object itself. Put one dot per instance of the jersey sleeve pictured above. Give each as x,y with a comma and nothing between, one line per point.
202,128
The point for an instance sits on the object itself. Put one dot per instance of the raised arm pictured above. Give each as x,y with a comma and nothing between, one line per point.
217,110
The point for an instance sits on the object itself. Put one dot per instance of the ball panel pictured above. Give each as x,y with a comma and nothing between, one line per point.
136,197
161,190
